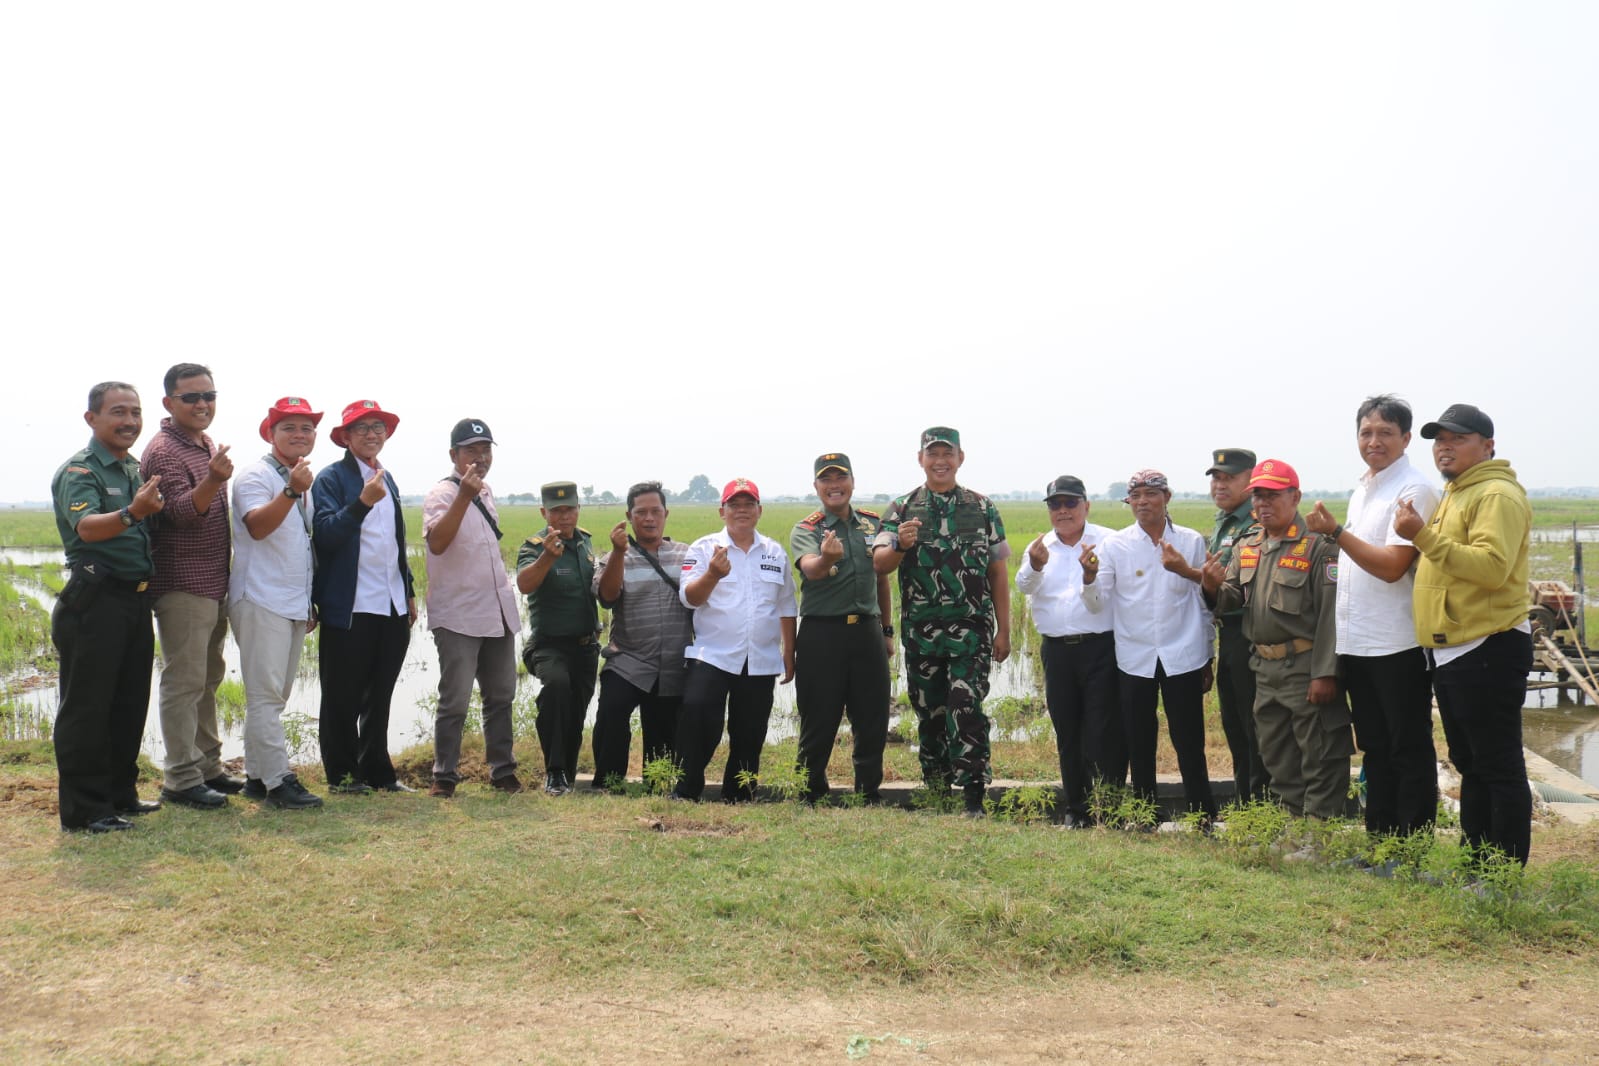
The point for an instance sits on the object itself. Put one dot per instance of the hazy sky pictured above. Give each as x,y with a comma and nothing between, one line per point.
657,240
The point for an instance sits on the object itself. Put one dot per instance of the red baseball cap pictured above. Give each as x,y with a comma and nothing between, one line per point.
289,405
358,410
740,486
1274,474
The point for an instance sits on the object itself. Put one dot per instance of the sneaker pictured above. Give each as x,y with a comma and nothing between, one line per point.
556,784
290,795
226,784
510,784
442,789
254,789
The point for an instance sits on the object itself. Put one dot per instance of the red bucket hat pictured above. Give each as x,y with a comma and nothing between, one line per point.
354,413
289,405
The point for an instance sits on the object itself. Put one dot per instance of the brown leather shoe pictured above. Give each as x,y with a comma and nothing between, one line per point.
510,784
442,789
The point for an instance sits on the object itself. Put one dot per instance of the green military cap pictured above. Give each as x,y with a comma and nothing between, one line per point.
1231,461
941,435
561,494
833,461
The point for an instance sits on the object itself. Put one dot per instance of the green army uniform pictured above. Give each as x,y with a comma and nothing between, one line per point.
947,622
104,639
1235,681
563,648
841,656
1288,592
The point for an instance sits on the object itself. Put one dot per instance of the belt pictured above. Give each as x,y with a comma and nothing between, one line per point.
1080,638
840,619
579,641
120,584
1273,652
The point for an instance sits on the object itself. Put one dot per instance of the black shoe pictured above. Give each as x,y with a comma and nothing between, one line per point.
200,797
556,784
254,789
226,784
290,795
109,824
975,794
137,806
394,786
1074,821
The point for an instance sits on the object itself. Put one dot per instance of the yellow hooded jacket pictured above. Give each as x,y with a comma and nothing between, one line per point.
1471,579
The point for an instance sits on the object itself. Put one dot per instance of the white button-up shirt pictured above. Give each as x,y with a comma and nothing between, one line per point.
1375,617
274,573
1160,617
739,623
469,591
1055,593
379,585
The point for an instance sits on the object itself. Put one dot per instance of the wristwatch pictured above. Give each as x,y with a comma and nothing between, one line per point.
888,631
290,493
128,521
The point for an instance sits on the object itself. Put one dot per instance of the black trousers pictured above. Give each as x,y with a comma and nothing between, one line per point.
1235,691
1480,696
359,667
747,702
106,645
613,731
567,669
841,668
1183,696
1080,682
1390,701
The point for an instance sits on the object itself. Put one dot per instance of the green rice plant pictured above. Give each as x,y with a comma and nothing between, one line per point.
230,703
782,778
1253,827
1114,807
661,775
934,801
1025,805
299,733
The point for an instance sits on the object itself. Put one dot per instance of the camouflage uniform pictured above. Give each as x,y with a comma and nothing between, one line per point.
947,621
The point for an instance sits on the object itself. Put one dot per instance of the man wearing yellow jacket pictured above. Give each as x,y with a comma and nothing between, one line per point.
1471,615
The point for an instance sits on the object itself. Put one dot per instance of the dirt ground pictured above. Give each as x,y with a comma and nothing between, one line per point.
1355,1014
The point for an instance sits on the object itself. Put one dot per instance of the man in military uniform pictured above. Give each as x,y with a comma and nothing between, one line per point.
1229,473
948,544
101,622
555,569
844,644
1286,578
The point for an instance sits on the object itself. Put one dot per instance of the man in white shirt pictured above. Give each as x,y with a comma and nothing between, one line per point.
471,610
1079,648
741,588
1384,669
1149,574
269,596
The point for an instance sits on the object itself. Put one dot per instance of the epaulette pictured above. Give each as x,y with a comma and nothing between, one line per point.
536,540
811,520
583,531
78,470
868,514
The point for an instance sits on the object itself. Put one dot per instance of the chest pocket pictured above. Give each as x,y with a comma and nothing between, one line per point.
971,526
1290,591
770,577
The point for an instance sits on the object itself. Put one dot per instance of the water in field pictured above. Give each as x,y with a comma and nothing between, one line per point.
1563,729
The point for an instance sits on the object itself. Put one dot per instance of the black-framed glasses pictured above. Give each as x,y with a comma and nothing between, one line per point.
209,396
1064,503
369,429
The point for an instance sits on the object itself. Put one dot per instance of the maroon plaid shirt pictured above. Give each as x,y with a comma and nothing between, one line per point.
191,550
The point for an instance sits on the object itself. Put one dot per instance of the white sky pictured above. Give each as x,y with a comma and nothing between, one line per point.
657,240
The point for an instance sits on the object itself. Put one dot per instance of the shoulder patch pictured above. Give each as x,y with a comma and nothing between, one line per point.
77,470
811,520
79,506
1248,557
868,514
1332,573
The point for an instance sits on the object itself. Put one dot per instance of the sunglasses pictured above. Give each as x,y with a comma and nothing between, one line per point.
196,397
1058,503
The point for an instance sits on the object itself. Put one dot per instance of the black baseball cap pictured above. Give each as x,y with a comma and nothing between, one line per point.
1065,485
833,461
1460,418
1231,461
470,431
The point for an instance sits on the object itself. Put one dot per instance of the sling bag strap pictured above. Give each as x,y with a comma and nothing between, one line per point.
653,562
299,501
478,502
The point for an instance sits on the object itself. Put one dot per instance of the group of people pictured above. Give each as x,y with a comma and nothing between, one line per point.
1328,635
1320,624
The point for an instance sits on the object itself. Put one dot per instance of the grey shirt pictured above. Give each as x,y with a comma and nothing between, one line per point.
649,626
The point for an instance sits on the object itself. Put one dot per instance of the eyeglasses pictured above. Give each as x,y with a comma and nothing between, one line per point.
196,397
1063,503
369,429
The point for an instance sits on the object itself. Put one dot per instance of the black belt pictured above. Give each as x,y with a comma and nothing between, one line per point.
840,619
119,584
581,641
1081,638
